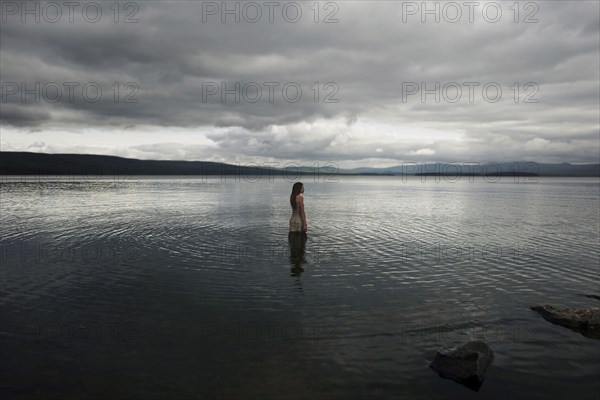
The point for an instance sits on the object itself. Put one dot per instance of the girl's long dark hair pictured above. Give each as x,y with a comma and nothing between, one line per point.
295,190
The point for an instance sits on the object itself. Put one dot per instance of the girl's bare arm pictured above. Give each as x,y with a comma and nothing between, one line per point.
302,214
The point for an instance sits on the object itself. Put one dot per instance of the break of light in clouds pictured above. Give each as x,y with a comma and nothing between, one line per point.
360,78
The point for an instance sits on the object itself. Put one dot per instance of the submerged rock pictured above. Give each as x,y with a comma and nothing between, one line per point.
465,364
583,320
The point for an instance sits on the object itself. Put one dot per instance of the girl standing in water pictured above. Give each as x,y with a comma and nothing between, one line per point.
298,219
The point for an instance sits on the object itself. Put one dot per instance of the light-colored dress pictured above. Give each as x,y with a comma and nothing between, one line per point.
296,219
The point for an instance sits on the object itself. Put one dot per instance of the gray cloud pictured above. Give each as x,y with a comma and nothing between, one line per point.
367,58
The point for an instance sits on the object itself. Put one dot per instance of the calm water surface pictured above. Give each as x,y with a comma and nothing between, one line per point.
189,288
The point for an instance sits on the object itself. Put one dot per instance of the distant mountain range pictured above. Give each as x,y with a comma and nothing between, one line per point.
25,163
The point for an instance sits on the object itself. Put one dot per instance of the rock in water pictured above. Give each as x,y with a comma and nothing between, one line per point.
465,364
592,296
583,320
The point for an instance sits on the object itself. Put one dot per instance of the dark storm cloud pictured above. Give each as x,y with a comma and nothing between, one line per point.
21,116
171,55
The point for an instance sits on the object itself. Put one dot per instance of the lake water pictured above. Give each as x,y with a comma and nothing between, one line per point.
158,287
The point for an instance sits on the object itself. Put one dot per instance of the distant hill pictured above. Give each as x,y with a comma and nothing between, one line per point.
25,163
521,168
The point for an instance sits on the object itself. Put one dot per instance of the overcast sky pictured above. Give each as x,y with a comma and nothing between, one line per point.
361,67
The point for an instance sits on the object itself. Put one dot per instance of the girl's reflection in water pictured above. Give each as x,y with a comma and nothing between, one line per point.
297,242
